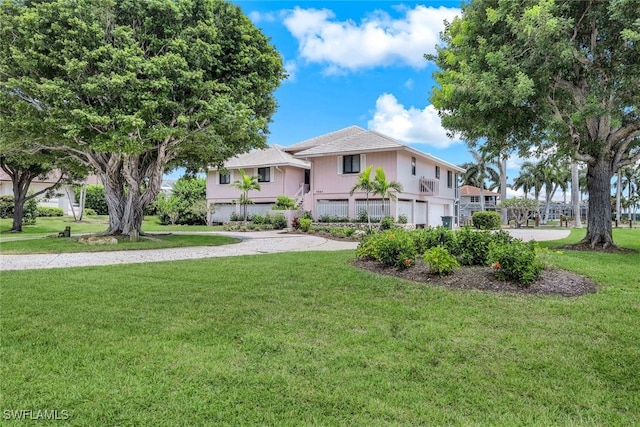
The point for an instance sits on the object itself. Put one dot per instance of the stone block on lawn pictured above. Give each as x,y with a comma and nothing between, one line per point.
98,240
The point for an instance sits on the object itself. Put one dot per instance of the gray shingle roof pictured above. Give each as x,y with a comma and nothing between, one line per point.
272,156
324,139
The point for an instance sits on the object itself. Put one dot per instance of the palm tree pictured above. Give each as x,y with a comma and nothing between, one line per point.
365,184
245,184
385,189
526,181
553,175
629,179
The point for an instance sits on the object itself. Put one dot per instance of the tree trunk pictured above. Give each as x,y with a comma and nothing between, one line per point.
18,213
129,186
575,195
618,196
599,232
503,187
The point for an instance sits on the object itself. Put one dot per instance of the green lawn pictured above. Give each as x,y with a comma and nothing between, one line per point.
42,237
307,339
90,224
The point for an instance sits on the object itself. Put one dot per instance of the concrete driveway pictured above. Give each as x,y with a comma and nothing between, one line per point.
253,243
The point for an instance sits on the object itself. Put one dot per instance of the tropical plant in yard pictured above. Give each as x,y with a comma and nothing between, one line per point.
478,171
385,189
245,184
366,185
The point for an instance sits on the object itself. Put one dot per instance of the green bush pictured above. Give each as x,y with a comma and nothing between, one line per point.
95,198
386,223
486,220
278,221
516,261
6,206
428,238
30,212
260,219
396,249
45,211
472,247
89,212
440,261
284,203
367,247
305,224
186,204
402,219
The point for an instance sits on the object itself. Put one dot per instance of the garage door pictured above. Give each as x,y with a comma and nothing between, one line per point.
404,208
436,212
421,212
223,212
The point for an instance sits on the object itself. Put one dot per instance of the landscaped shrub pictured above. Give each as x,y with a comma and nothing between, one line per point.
305,224
6,206
89,212
284,203
260,219
386,223
367,248
440,261
486,220
428,238
45,211
516,261
472,247
187,203
278,221
295,223
395,248
362,215
236,217
94,199
402,219
30,212
328,218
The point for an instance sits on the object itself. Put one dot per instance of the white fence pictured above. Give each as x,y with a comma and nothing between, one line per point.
376,208
337,208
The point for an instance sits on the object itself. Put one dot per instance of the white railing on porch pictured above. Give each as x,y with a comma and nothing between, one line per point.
336,208
429,187
376,208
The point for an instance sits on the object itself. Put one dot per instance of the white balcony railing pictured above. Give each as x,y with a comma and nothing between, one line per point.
429,187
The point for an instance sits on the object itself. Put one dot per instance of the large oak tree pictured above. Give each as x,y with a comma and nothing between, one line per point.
548,74
132,87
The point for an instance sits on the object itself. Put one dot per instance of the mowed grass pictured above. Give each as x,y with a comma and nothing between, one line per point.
89,224
307,339
42,237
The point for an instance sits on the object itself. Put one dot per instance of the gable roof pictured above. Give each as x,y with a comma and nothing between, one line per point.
354,140
271,156
470,190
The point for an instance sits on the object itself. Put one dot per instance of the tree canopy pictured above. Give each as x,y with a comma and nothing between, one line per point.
546,74
130,88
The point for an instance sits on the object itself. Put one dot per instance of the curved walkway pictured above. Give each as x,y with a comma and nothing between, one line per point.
253,243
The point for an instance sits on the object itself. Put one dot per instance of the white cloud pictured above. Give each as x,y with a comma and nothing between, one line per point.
410,125
257,17
409,84
290,68
377,40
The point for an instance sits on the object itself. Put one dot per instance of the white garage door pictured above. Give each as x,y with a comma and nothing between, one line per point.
223,212
436,212
421,213
404,208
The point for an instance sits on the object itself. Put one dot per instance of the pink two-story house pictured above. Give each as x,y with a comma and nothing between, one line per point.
320,172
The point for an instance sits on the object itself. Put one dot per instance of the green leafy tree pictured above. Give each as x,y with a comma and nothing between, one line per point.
130,88
542,74
245,184
385,189
365,184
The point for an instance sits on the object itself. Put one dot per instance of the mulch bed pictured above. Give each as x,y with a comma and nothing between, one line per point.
552,282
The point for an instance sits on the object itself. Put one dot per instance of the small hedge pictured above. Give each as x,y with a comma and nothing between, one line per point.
443,250
486,220
45,211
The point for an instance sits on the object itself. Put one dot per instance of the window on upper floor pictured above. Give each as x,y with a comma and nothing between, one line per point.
224,178
413,166
449,179
351,164
264,174
475,199
438,172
